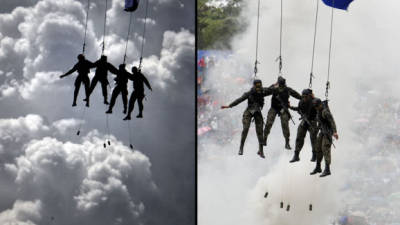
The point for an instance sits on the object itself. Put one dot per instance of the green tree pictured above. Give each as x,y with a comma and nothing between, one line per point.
217,25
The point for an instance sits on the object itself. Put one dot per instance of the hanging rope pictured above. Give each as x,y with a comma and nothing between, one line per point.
328,85
128,36
144,34
313,50
105,31
258,22
86,24
279,59
83,52
130,135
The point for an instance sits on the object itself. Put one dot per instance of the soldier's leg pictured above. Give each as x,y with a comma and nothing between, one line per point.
318,151
301,134
124,95
246,120
313,138
326,151
76,91
104,84
86,82
93,84
140,103
114,96
285,117
268,125
259,130
132,101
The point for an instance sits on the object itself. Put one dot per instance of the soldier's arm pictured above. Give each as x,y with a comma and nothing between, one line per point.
239,100
112,69
147,83
75,68
294,94
332,123
268,91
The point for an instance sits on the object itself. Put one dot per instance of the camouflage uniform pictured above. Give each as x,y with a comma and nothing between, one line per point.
327,127
255,104
308,115
280,94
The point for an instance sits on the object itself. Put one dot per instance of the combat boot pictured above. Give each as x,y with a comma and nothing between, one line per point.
264,142
241,149
261,151
326,172
287,144
317,169
295,157
313,157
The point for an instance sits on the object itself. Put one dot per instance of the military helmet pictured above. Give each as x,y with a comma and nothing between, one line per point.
281,80
316,102
306,92
257,81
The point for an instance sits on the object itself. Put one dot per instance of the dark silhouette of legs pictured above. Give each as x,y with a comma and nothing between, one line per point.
140,103
124,95
132,101
104,90
86,82
114,96
76,91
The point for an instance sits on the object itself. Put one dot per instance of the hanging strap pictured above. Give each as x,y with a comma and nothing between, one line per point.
258,22
279,59
144,34
128,36
86,24
328,85
313,50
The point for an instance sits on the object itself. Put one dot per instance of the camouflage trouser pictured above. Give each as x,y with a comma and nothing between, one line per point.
323,148
284,123
247,117
302,132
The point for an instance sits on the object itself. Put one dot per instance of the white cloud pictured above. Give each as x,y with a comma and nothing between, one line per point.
22,213
176,47
110,183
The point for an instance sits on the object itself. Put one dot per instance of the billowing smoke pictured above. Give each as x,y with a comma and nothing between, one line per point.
362,99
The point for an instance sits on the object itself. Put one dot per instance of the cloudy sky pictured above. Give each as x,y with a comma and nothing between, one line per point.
48,175
364,58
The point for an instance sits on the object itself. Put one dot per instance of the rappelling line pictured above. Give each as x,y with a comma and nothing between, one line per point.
328,84
83,52
130,135
144,34
102,53
104,29
258,22
313,51
86,24
280,42
128,36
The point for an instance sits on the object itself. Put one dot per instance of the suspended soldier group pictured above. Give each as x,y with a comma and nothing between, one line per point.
315,115
102,66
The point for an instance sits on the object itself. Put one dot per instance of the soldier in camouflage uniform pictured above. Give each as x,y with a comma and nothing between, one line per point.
255,100
308,123
327,129
279,106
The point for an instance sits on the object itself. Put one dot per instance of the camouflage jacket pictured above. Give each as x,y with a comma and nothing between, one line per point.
255,100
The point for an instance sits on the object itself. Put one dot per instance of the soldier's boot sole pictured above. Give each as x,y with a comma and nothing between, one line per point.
295,158
261,154
241,151
313,158
74,104
127,118
316,170
109,111
326,172
287,146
